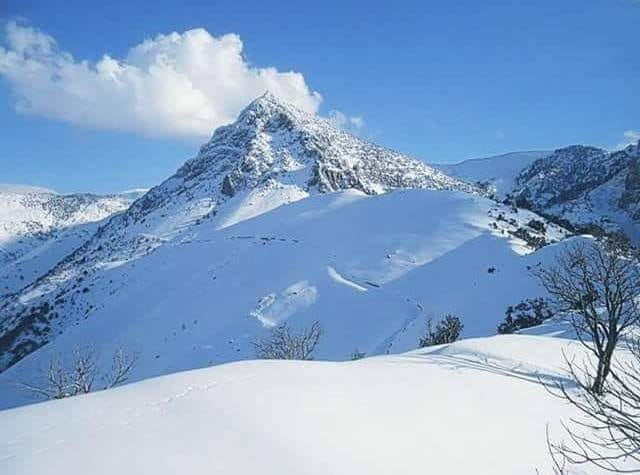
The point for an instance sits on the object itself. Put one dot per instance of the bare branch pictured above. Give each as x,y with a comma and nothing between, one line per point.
596,286
284,344
59,381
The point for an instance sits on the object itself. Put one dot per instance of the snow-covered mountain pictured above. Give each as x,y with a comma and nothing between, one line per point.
581,185
39,227
272,155
475,406
585,185
209,260
24,189
496,174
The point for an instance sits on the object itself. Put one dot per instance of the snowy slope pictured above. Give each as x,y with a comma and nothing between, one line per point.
496,173
38,228
42,254
273,155
475,406
369,268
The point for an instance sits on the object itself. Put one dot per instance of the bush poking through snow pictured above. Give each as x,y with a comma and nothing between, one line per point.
533,241
446,330
528,313
284,344
537,225
80,374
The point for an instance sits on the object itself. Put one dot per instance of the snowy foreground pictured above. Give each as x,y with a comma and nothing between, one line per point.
475,406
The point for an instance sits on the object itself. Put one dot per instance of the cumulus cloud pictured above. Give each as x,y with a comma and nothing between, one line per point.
179,84
352,123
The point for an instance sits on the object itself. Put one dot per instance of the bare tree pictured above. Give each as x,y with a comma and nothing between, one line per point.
121,367
284,344
83,370
55,382
80,373
607,433
596,285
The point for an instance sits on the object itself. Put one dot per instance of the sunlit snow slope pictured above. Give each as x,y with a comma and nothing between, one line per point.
369,268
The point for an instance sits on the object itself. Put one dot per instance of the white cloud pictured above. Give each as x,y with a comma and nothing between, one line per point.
630,137
350,123
179,85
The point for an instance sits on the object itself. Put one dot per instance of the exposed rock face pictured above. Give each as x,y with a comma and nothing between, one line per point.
227,187
630,198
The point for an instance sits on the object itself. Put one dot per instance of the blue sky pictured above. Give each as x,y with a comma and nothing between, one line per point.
442,81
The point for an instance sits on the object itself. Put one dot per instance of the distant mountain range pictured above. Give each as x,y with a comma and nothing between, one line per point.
585,187
496,174
38,228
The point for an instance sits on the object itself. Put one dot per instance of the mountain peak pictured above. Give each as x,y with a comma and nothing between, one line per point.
274,141
268,99
268,96
267,108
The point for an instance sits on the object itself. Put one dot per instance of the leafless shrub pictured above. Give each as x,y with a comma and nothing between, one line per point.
284,344
79,375
121,366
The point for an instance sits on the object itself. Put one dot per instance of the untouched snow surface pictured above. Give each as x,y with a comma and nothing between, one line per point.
369,268
475,406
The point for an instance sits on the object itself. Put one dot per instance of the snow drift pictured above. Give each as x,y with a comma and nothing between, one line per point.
475,406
